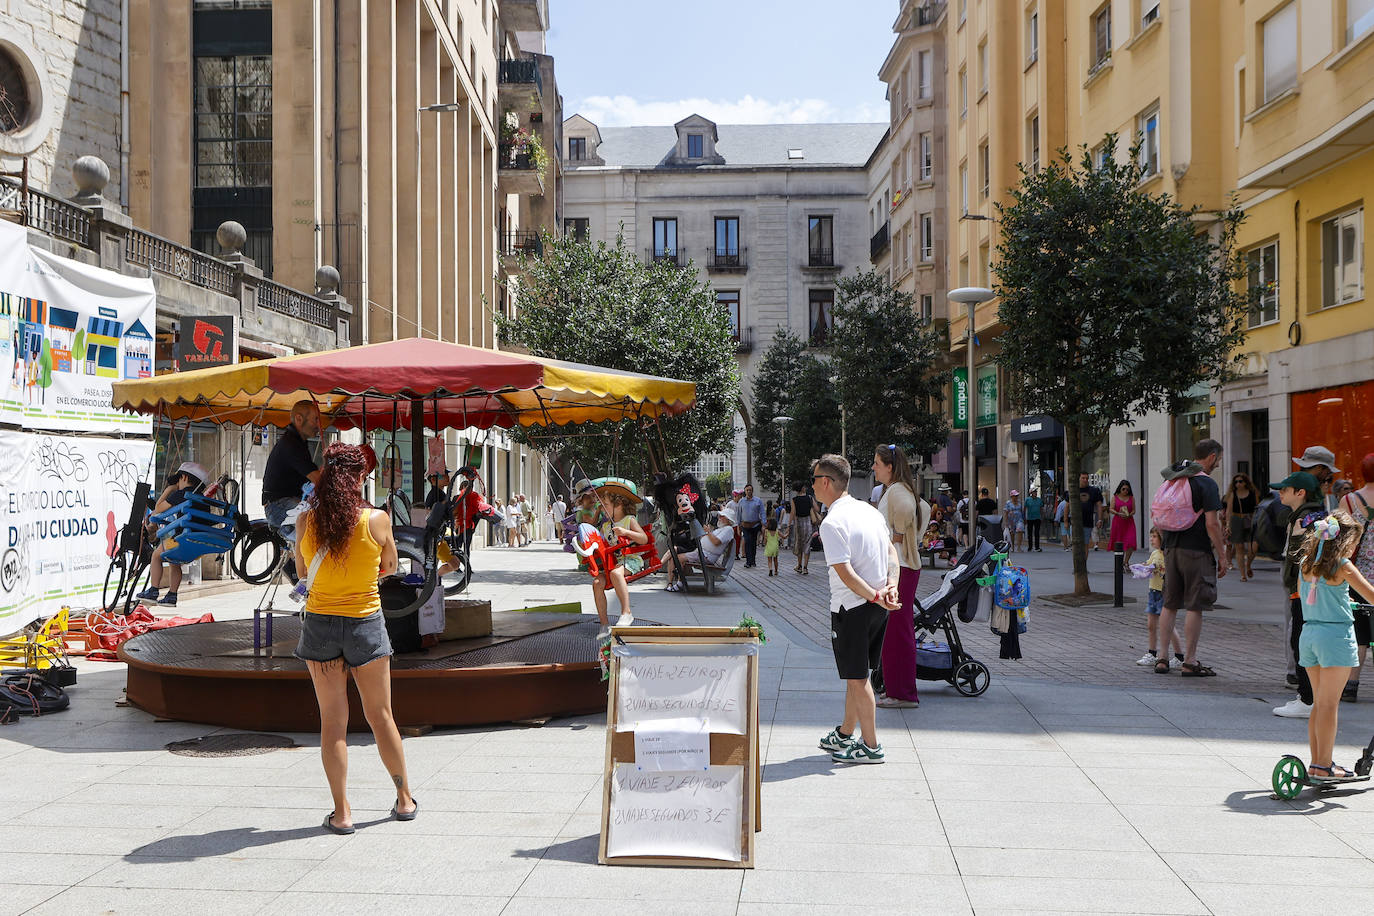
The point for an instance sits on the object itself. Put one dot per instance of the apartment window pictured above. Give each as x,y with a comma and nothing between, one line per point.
963,94
821,317
927,151
963,271
1148,126
1149,13
577,228
665,238
923,74
1099,156
983,68
1263,264
1280,49
963,187
727,241
1359,19
577,148
1033,143
927,237
985,266
694,146
820,241
906,249
985,169
1102,35
927,309
729,299
1033,36
1343,259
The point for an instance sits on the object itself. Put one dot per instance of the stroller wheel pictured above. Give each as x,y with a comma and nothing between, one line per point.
971,678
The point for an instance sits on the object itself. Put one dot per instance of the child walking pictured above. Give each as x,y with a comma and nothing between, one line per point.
1155,604
772,541
1326,648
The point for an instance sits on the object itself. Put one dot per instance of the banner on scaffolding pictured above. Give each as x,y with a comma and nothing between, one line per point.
68,331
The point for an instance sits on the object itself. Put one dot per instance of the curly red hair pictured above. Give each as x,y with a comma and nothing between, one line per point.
338,499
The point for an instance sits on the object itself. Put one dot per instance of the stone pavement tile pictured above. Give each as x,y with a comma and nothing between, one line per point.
990,783
52,867
456,776
1241,794
255,833
853,857
372,863
532,764
414,902
98,841
470,823
1052,863
139,900
626,883
459,799
546,906
1360,841
1201,773
141,793
802,778
1035,825
21,898
1075,895
1222,868
1231,899
907,890
1005,758
1247,832
114,736
220,873
211,773
1093,721
798,824
972,739
1129,741
41,760
101,808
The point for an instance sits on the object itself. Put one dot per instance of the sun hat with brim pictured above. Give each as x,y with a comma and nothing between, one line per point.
582,486
728,517
1298,480
945,488
605,486
1015,492
1315,455
195,470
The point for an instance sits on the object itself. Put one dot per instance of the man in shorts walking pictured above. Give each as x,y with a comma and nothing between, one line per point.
863,588
1194,559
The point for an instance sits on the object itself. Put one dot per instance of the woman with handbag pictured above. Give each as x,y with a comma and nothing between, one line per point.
342,628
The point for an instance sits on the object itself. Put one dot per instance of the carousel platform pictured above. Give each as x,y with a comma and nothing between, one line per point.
532,665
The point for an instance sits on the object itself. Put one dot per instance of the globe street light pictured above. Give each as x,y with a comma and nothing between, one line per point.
971,296
782,470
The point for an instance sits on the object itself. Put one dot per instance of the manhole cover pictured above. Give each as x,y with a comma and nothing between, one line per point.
235,745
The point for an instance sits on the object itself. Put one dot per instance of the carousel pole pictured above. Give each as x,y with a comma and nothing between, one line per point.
417,451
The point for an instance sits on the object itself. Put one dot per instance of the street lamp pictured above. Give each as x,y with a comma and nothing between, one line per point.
971,296
443,106
782,470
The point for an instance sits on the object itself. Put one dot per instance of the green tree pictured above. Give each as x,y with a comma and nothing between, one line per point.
718,486
791,381
886,366
599,304
1116,301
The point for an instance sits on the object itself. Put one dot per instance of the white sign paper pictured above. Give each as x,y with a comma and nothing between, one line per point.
704,687
676,814
672,744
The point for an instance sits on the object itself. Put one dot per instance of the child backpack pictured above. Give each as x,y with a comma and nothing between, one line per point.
1172,508
1011,590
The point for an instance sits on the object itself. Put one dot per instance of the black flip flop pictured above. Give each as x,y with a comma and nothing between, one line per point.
1197,669
334,828
409,815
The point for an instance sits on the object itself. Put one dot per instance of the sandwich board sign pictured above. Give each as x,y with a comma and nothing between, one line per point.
682,755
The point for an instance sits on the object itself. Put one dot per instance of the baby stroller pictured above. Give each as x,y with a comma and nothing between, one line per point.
948,661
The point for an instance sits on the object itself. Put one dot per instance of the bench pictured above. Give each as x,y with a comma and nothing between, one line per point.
709,574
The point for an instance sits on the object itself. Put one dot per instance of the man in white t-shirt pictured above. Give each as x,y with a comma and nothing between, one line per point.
557,512
863,588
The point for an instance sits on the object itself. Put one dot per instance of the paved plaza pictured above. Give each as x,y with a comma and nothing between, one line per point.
1077,783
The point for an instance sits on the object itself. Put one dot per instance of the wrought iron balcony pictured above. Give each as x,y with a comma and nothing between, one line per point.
879,242
822,258
519,84
927,13
522,242
744,340
663,256
726,260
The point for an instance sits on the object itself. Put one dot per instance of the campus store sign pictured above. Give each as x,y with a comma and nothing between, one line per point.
62,502
68,331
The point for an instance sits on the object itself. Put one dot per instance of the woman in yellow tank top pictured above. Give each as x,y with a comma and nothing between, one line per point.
342,628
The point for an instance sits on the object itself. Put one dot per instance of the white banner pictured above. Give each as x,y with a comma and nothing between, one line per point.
63,500
67,332
676,814
666,683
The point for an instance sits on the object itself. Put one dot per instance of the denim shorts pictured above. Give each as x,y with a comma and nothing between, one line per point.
1155,603
1327,645
358,640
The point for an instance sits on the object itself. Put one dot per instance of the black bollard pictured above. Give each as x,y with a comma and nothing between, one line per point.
1119,574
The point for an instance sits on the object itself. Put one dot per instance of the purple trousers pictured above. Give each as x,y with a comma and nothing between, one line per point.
899,643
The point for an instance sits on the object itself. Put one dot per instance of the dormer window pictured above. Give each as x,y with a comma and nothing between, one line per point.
577,148
694,146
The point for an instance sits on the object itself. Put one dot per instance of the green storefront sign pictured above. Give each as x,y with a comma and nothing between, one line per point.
959,391
987,396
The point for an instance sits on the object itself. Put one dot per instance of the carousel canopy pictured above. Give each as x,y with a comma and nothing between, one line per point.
380,385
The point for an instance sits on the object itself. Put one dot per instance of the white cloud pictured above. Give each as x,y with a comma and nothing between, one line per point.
627,111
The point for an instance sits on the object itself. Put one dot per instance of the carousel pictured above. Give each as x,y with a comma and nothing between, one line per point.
488,665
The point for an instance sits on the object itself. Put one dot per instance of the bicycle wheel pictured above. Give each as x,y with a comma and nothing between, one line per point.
115,579
456,582
254,557
139,575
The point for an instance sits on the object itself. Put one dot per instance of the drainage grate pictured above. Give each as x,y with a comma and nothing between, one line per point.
231,745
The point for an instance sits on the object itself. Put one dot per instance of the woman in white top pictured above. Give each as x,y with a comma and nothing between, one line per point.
907,516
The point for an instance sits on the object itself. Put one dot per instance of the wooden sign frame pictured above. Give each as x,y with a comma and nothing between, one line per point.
726,750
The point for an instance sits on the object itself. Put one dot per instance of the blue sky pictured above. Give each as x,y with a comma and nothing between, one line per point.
622,62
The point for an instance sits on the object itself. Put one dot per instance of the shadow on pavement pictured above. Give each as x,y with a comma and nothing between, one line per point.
191,847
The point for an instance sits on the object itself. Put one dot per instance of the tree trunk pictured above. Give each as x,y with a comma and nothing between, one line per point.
1073,462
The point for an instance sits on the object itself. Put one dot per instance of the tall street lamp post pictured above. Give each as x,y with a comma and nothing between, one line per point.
971,296
782,470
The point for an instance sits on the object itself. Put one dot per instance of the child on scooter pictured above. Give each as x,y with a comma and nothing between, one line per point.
1326,648
1155,604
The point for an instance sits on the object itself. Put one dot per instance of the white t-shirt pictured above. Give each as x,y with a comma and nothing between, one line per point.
559,509
877,495
715,553
855,533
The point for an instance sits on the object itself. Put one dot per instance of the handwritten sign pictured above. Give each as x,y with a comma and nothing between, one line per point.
672,744
710,688
676,814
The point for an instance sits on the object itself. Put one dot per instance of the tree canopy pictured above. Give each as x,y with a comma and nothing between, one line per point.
792,381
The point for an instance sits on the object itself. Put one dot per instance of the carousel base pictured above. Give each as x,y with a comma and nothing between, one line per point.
532,666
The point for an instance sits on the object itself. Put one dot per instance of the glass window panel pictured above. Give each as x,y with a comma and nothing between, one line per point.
1281,51
215,71
1359,18
214,176
255,126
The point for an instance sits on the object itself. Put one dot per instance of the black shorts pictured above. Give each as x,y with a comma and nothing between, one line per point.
856,638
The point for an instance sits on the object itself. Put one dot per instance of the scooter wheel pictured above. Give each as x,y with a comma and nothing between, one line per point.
1290,775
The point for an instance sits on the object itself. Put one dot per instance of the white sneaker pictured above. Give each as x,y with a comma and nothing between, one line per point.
626,620
1149,658
894,703
1294,709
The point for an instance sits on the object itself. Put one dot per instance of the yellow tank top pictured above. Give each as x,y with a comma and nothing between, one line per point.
345,586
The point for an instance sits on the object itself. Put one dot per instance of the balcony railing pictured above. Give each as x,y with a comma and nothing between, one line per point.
520,71
52,215
928,13
523,241
509,157
294,304
662,256
166,257
726,259
820,257
744,340
878,243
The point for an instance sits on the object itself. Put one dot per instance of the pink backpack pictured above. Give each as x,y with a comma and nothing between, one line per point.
1172,508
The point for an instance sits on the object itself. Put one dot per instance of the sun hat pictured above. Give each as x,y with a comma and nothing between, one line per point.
728,517
1015,492
195,470
1298,480
582,486
1315,455
605,486
945,487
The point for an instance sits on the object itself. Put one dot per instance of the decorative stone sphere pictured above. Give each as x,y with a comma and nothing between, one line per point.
91,175
231,236
326,279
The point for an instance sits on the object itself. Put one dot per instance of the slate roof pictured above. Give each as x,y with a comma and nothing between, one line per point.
747,144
